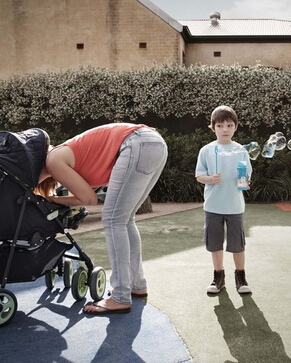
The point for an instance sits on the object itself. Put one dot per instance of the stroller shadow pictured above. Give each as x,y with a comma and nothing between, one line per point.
247,333
31,339
71,313
121,331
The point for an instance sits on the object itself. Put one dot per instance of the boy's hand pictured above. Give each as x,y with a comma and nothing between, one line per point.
216,179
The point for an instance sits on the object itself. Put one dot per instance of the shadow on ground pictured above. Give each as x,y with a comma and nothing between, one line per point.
247,332
50,327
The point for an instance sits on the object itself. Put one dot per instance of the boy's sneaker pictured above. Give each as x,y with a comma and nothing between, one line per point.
218,282
241,282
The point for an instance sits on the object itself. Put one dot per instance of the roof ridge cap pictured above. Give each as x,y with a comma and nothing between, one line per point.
162,14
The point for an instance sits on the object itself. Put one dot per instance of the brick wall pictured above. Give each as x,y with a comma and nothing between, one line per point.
60,34
245,54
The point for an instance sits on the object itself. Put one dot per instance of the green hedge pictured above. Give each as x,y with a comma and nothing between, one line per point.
74,100
175,99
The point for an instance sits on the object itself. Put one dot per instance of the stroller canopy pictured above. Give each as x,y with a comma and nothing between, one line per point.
22,154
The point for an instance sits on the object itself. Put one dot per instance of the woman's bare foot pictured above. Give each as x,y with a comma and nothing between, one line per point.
106,306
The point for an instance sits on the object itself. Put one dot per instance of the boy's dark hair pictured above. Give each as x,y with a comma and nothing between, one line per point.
223,113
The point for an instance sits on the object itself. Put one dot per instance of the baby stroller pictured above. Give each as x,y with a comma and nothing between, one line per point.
29,225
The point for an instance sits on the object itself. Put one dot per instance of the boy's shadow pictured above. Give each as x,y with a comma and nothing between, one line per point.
247,333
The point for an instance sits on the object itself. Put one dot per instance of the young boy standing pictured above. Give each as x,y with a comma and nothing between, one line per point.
223,202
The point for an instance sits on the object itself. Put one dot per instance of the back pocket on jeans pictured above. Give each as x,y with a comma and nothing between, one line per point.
150,157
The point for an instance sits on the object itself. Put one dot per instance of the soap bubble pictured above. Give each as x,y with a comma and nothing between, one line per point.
269,149
275,142
223,152
230,152
281,141
253,149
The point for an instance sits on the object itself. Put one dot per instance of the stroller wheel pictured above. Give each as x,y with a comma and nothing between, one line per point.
8,306
68,272
97,283
79,283
50,279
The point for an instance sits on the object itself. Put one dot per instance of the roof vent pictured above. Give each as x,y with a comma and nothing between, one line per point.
214,18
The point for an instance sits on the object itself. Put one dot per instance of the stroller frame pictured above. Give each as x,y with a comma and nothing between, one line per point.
58,257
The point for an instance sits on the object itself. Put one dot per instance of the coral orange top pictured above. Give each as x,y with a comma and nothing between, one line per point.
96,150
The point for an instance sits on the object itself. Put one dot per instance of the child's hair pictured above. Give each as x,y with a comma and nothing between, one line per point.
46,187
223,113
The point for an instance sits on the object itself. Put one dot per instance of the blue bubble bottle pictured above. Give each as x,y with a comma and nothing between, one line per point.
242,176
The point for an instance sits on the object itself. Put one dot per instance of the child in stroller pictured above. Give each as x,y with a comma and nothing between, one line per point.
29,225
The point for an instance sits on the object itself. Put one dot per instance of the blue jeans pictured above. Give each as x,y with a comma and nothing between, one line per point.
142,157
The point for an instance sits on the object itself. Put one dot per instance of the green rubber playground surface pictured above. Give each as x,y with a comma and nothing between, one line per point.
227,327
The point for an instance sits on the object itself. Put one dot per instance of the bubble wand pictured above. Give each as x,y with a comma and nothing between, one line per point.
216,162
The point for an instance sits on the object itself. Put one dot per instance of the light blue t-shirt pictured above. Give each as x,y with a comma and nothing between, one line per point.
224,198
